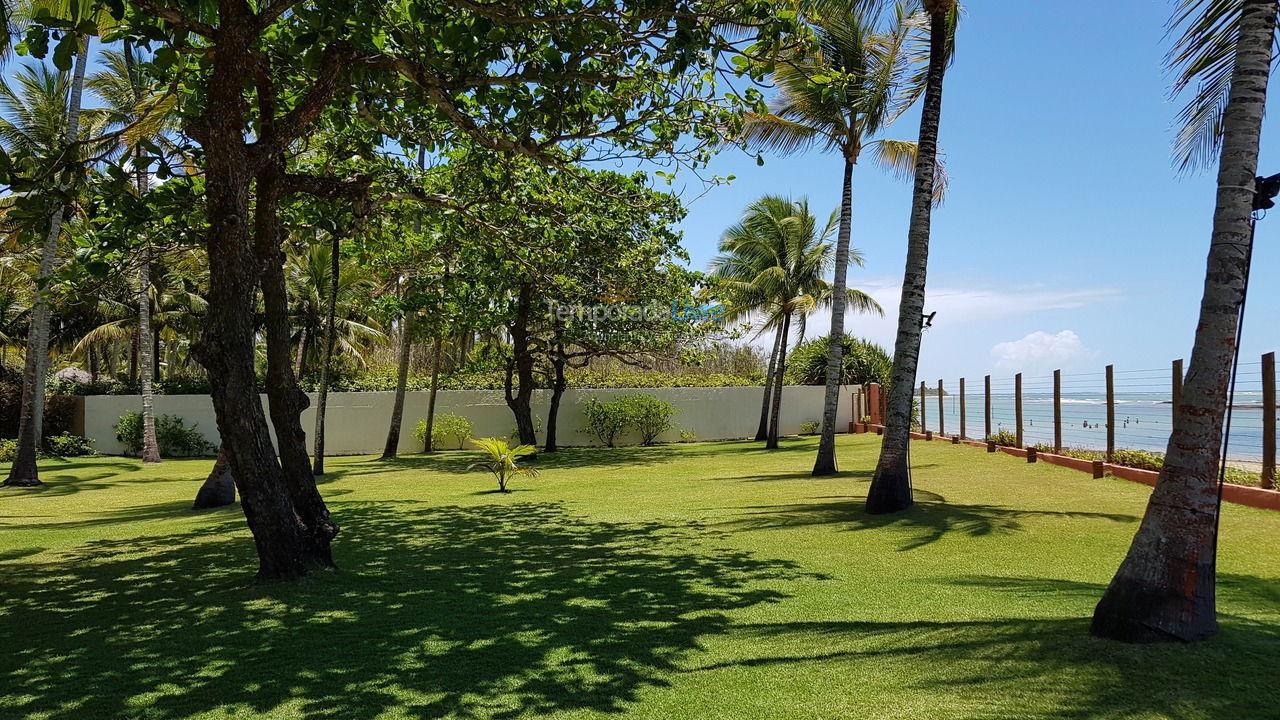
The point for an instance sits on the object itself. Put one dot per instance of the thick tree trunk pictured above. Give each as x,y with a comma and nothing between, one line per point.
219,488
762,432
402,381
330,334
776,411
1164,589
825,464
24,472
431,396
286,401
519,399
890,489
227,348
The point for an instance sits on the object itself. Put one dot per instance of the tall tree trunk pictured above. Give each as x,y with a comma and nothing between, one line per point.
558,386
1164,589
890,489
776,411
825,464
150,447
283,542
430,445
286,401
24,472
301,354
762,432
519,399
402,381
330,334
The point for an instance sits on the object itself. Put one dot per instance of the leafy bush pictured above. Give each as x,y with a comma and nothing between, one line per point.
644,413
648,415
1004,438
605,421
864,362
8,449
68,445
809,427
688,435
447,426
174,437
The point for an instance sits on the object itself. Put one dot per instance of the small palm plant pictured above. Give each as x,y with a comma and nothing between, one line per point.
502,460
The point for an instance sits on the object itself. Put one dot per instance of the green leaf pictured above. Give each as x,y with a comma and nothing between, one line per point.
64,53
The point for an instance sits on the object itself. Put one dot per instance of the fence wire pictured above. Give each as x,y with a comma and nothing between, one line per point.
1143,406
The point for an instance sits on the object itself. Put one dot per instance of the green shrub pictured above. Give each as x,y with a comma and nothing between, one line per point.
8,449
605,421
648,415
173,436
688,435
864,362
809,427
445,427
68,445
1003,438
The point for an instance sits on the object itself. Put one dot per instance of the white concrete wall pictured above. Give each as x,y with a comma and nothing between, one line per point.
356,423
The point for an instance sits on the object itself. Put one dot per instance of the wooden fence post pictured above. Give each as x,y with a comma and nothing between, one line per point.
1177,388
1031,454
924,400
1269,420
1111,413
1017,406
942,411
1057,411
962,432
987,383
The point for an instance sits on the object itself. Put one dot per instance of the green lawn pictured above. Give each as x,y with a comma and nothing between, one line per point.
693,581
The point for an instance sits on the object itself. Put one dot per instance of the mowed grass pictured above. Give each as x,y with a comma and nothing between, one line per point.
701,581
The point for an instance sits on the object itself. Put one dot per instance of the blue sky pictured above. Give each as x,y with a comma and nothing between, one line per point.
1067,240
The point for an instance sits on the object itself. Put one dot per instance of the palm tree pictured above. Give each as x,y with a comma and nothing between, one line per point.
307,272
890,489
119,86
775,261
840,97
330,293
41,119
503,460
1164,588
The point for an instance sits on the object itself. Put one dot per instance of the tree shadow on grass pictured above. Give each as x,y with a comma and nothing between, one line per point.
930,519
477,612
1033,669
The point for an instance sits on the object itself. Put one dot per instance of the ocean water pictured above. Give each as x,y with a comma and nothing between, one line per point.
1143,419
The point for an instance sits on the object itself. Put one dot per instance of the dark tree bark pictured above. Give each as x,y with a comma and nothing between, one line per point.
1164,590
558,385
762,432
430,444
890,489
219,488
776,411
392,447
284,544
519,398
330,335
285,399
825,463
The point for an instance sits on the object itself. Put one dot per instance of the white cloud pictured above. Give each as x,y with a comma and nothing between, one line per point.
1039,353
